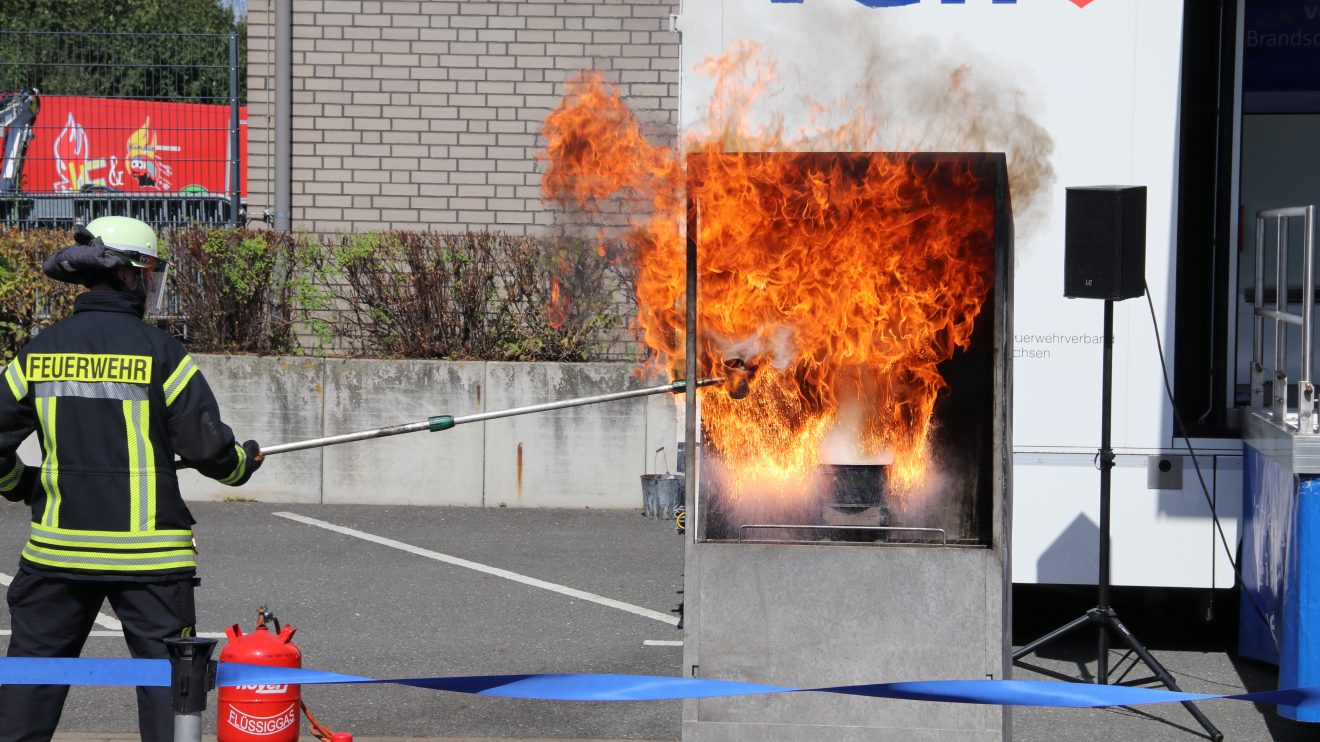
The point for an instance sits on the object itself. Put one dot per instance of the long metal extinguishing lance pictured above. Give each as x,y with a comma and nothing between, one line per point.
436,423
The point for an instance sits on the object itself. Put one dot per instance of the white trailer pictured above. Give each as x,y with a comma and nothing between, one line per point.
1077,93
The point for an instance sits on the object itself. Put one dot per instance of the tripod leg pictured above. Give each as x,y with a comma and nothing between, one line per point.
1102,651
1071,625
1163,675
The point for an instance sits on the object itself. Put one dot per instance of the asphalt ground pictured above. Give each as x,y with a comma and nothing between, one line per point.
406,608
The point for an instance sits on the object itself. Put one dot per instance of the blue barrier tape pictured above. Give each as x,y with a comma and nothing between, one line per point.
77,671
604,687
231,673
594,687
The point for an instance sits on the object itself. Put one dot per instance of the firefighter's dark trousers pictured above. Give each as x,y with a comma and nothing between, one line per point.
51,617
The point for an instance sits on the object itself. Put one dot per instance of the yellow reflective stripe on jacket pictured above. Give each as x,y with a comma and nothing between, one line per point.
237,474
115,551
10,480
17,382
179,379
44,536
50,465
141,467
110,561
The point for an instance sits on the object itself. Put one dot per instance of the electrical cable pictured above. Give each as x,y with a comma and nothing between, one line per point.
1196,465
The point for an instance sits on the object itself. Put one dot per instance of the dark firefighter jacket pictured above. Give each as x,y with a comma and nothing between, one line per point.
112,399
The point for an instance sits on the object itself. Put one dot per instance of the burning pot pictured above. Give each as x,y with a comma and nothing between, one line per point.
854,495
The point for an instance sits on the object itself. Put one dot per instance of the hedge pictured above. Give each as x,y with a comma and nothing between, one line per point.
388,294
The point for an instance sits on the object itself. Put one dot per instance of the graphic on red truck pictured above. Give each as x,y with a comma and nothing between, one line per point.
77,143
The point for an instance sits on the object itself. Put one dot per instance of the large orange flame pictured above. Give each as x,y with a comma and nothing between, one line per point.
845,278
849,279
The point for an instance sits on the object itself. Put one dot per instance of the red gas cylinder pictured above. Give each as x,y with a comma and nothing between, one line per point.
260,713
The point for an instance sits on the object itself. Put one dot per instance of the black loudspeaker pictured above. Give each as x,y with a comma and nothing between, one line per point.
1104,248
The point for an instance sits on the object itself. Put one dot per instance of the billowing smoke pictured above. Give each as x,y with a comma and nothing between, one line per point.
902,94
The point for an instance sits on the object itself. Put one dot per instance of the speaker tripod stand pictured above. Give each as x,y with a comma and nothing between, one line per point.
1103,616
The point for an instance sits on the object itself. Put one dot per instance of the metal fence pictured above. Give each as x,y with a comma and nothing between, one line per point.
143,125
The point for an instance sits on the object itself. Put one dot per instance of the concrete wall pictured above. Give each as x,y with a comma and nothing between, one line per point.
426,114
589,456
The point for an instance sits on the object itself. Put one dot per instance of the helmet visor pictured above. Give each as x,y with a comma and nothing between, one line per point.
154,279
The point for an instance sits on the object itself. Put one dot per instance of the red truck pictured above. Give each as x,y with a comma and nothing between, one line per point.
68,144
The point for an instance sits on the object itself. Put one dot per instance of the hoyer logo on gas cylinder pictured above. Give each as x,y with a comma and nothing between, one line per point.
265,689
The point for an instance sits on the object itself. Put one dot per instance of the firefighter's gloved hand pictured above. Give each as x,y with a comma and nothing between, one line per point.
254,459
82,236
82,263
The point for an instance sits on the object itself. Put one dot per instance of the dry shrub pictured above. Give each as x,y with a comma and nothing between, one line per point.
473,296
239,290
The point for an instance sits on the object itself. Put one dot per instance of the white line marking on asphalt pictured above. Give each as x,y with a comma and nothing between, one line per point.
663,643
109,622
495,571
115,634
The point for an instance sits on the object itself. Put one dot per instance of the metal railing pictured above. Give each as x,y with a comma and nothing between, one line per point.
143,124
944,535
1306,399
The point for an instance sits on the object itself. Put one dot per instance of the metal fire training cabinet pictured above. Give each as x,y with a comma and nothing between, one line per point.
789,608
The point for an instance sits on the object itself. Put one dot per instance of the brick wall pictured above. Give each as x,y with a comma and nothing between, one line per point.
427,114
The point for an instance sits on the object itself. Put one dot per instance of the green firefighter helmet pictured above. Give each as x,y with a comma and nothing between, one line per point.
134,238
134,241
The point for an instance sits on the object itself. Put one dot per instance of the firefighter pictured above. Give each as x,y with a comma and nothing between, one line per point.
113,401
